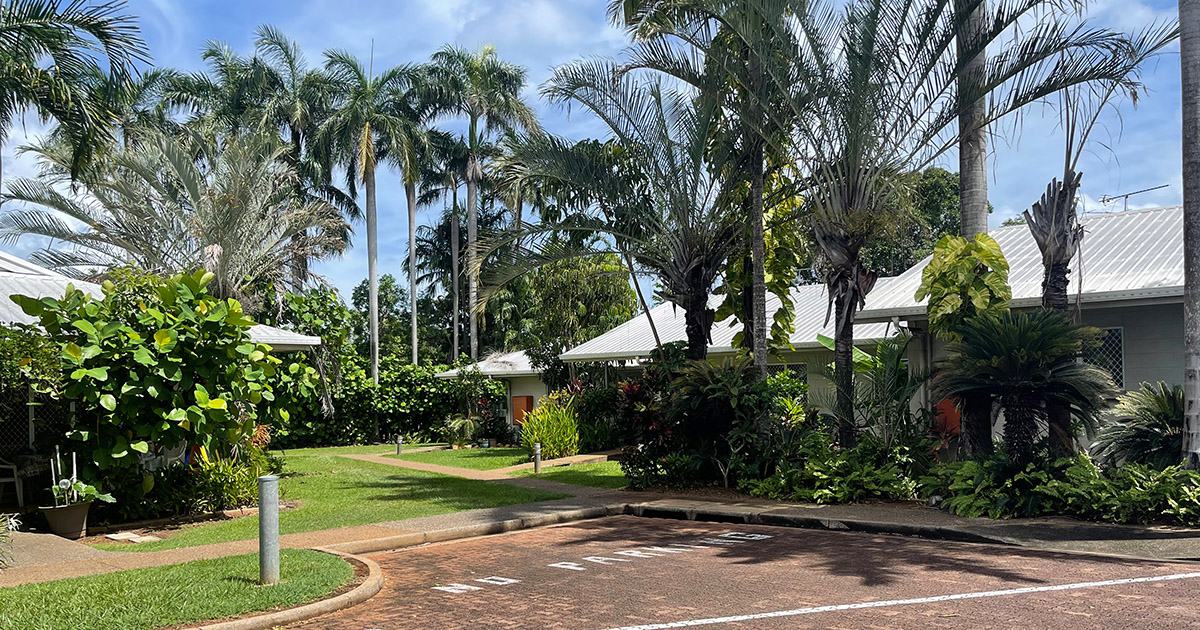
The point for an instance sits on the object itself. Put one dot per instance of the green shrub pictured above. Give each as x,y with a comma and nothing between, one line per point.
1148,429
822,474
598,417
555,426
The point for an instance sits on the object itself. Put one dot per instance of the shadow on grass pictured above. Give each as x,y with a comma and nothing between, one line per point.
875,560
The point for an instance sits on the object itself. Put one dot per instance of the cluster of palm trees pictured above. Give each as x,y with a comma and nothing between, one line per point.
252,168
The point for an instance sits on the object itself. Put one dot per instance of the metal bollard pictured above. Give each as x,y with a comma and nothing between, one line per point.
268,529
537,457
399,444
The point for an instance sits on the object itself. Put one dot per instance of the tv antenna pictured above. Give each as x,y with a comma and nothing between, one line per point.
1110,199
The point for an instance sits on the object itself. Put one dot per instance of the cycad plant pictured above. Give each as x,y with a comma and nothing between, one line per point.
1148,428
1028,361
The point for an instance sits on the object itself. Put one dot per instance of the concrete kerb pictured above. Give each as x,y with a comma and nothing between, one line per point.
359,594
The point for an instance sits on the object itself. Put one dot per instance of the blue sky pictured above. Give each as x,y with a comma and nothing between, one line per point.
1141,145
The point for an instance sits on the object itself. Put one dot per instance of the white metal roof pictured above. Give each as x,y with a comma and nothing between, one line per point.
20,277
635,339
499,364
1134,255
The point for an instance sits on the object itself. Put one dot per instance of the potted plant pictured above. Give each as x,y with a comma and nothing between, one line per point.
72,501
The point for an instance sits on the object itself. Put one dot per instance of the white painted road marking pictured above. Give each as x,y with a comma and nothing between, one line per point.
906,602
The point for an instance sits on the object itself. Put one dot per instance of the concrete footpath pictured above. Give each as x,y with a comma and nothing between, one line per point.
42,557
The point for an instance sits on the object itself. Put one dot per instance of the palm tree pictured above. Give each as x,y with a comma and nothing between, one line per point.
1028,361
446,172
49,56
176,204
487,91
972,117
363,127
655,194
1189,62
1148,428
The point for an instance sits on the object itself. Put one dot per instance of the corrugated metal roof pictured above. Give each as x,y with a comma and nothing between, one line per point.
1124,256
500,364
19,277
635,339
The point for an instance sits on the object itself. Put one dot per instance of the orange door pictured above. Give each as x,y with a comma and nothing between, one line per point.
521,405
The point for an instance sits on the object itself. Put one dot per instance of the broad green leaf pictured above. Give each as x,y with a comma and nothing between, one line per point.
108,402
73,351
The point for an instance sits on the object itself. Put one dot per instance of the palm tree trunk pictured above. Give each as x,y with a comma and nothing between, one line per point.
972,142
472,276
843,368
1020,427
456,280
372,280
1189,53
1054,297
410,191
698,321
758,238
977,425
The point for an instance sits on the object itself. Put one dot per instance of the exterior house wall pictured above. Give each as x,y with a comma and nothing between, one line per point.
1152,340
524,386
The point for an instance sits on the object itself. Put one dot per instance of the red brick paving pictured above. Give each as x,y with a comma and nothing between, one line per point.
792,569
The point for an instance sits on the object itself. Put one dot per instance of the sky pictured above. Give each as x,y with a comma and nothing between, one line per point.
1137,147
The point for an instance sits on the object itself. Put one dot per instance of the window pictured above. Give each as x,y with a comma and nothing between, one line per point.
1110,354
799,370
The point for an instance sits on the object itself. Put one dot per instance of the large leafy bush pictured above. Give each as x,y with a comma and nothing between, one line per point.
554,425
166,366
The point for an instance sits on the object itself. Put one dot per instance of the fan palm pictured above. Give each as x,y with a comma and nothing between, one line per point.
1027,361
487,91
1148,428
363,127
50,52
176,204
655,194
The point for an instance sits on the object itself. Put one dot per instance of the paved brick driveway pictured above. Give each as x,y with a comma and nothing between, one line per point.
626,571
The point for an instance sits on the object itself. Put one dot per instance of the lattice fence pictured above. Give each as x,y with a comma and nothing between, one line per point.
50,421
1110,355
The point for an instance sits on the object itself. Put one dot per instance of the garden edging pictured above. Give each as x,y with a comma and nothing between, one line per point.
359,594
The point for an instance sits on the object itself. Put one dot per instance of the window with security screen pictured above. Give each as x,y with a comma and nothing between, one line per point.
1110,354
799,370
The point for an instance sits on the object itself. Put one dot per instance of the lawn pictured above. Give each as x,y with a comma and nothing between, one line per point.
172,595
473,458
337,492
598,475
368,449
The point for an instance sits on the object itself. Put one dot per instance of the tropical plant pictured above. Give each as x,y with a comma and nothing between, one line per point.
487,91
177,204
1026,361
366,125
51,51
964,279
8,524
178,369
554,426
1147,429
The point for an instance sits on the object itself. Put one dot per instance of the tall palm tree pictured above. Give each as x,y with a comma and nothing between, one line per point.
50,53
1189,62
655,195
1028,361
487,91
1054,219
176,204
363,127
972,117
445,173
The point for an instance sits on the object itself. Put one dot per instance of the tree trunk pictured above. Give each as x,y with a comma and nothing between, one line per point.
1054,297
372,281
698,321
1189,53
977,425
472,276
410,191
456,279
1020,427
843,368
972,143
758,238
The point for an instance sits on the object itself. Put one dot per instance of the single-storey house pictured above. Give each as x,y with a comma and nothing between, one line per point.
522,382
1127,279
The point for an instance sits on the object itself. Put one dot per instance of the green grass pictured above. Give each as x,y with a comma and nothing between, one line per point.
598,475
473,458
172,595
338,492
369,449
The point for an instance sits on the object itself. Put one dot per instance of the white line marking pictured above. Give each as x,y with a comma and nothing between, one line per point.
905,602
